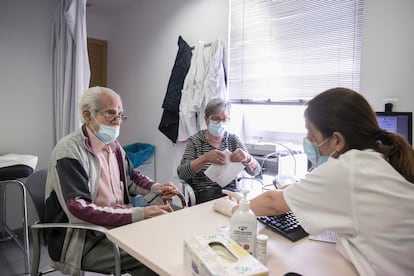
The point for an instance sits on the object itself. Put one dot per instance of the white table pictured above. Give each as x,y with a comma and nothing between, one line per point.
158,243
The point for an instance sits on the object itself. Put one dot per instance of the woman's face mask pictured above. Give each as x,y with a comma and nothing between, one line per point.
312,152
216,128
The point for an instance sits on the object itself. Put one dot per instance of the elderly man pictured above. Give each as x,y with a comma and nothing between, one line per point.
89,180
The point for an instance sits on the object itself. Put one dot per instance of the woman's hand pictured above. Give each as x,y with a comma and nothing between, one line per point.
212,157
215,157
240,155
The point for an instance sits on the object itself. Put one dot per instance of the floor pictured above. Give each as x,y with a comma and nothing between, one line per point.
12,261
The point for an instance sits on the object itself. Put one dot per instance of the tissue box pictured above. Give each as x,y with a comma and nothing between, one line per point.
217,254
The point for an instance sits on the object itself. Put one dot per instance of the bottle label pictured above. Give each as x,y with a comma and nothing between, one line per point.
245,237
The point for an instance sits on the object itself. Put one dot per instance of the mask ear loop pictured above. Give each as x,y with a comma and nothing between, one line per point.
317,146
333,154
336,153
93,129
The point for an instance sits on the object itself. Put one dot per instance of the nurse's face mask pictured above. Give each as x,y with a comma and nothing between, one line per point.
312,152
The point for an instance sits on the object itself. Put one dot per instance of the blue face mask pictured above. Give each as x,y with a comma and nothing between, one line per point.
216,129
312,152
107,134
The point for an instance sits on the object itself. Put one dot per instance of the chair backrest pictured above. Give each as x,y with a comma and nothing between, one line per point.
35,185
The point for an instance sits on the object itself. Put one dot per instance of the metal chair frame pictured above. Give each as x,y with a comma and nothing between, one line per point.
37,194
36,230
188,193
7,233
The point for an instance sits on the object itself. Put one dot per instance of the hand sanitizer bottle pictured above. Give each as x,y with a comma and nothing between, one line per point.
243,226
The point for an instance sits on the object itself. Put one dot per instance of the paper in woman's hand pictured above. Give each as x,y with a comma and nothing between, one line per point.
224,174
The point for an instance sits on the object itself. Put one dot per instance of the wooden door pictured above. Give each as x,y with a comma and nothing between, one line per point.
97,53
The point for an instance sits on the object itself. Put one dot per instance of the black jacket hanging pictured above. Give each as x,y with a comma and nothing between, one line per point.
171,104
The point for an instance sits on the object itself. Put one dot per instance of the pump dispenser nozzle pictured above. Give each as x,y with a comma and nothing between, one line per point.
244,203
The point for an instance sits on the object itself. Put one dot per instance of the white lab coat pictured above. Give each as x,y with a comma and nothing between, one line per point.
205,80
362,198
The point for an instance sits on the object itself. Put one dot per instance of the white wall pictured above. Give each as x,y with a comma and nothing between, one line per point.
26,87
387,69
97,25
25,77
142,48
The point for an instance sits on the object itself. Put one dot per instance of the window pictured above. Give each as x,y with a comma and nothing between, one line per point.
283,52
293,49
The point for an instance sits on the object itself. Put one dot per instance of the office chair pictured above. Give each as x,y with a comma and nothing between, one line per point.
35,184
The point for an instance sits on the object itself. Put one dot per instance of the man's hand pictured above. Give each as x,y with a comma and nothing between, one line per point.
156,210
165,187
168,189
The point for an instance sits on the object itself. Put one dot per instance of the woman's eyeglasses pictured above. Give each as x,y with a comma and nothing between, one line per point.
219,120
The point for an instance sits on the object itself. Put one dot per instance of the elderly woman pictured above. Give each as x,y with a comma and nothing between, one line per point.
206,147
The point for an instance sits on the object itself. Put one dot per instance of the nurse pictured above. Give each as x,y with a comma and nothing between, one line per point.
361,186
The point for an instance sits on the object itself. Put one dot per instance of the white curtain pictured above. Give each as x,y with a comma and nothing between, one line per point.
71,71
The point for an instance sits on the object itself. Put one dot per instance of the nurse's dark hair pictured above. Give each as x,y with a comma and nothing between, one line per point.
348,112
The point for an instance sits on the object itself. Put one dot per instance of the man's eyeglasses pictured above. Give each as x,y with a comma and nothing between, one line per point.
220,120
110,116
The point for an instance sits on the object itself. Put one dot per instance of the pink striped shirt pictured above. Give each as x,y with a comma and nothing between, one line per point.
110,192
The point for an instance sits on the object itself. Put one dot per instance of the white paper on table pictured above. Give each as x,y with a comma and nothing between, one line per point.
224,174
326,236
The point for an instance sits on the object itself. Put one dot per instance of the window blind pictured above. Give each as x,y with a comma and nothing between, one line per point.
287,50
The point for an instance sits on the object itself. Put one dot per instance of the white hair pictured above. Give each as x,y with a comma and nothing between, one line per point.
91,100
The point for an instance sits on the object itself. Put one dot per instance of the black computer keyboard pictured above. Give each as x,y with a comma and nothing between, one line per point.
285,225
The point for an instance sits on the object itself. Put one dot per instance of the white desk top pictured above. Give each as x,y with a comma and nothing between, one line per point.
158,243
